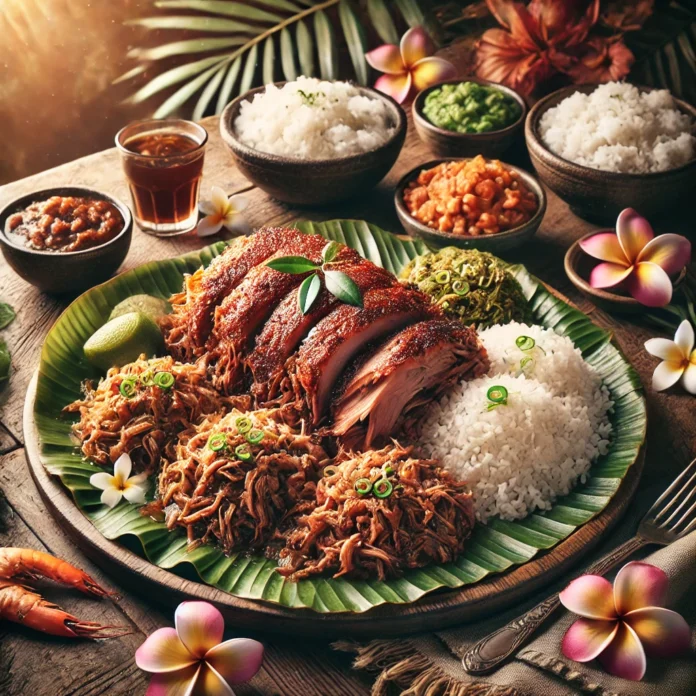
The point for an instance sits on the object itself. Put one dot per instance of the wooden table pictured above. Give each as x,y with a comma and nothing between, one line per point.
38,665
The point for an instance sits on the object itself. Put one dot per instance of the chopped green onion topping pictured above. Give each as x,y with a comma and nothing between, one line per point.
363,486
383,488
146,379
330,470
255,436
527,362
388,470
460,287
497,394
243,452
442,277
243,424
525,342
217,442
127,387
164,380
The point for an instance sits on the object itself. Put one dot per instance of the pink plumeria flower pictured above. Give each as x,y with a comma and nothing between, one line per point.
637,259
620,626
121,484
191,660
678,359
221,211
410,66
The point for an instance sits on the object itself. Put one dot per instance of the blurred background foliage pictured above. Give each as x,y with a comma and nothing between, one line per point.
74,71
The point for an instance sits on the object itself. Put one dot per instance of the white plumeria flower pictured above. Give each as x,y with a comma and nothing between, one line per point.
679,359
221,211
121,484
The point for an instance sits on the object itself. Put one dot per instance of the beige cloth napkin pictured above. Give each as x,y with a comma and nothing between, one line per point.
430,665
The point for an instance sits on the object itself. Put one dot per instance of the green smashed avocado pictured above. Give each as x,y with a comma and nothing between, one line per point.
472,285
470,108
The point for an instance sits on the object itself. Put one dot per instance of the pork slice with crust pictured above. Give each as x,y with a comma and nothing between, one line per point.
408,370
287,326
345,332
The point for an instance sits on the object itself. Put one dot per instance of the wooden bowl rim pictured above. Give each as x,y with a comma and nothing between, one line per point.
537,146
240,149
520,230
421,120
28,198
569,263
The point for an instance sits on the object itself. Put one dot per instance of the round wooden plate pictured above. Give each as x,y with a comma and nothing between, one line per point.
434,611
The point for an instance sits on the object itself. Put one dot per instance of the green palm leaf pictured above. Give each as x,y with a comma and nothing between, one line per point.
293,32
208,93
492,549
665,49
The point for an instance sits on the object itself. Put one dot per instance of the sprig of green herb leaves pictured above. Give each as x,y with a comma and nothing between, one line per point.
7,314
337,283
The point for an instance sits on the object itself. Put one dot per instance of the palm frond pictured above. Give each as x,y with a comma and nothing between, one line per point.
259,41
665,49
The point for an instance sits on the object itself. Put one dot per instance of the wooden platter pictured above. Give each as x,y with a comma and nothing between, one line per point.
434,611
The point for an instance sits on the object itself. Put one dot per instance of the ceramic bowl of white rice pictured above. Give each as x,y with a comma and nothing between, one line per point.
311,141
603,148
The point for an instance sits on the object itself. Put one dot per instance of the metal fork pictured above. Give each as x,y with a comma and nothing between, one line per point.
672,516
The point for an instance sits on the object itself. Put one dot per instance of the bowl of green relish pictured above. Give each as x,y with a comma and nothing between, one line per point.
468,117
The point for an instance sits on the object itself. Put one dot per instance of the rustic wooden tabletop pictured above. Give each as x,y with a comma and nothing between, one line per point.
39,665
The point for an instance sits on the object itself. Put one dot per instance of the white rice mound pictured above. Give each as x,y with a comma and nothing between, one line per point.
313,119
518,457
619,129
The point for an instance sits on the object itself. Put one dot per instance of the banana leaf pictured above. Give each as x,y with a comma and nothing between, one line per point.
492,549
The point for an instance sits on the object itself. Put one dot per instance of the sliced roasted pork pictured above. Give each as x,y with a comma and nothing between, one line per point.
345,332
246,308
287,326
410,369
188,328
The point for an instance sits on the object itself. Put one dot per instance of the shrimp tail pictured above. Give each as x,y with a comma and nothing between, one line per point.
26,564
22,605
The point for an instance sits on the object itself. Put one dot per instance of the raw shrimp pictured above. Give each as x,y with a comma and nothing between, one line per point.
21,604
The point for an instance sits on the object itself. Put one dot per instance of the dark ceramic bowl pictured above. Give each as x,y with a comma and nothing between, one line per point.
66,272
597,195
314,182
495,243
578,266
447,143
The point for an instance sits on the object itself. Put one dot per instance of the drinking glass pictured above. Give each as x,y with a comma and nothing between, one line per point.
163,163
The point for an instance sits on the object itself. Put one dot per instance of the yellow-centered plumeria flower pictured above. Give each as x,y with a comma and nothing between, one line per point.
121,484
678,359
221,211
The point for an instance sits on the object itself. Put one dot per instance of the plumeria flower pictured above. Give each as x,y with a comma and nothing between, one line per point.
191,660
121,484
410,66
678,359
221,211
636,259
620,626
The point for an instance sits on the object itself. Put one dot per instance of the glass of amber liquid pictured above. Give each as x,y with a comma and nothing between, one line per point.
163,163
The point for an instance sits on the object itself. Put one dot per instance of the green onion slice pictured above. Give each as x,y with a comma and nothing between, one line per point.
255,436
164,380
460,287
127,387
442,277
243,452
388,470
525,342
363,486
497,394
330,470
217,442
146,379
243,424
527,362
383,488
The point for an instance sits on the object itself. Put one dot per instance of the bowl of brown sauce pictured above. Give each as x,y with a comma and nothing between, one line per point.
65,240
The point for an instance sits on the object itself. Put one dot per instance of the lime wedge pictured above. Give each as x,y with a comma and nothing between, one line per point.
122,340
153,307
